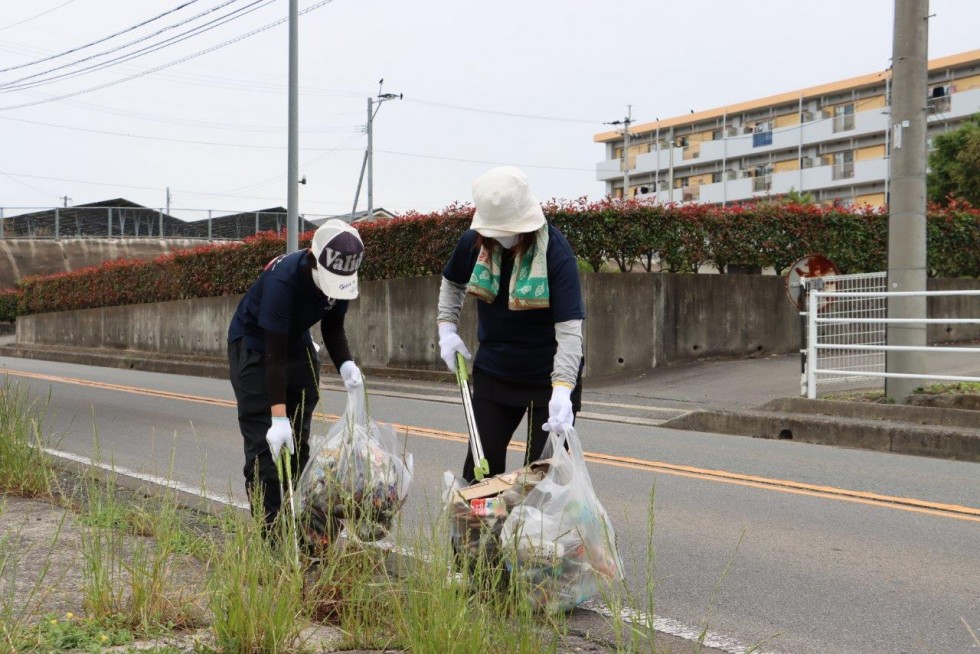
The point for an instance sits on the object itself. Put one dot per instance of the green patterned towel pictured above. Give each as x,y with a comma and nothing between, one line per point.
528,280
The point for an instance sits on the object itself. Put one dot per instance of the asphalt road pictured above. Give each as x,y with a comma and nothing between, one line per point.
819,563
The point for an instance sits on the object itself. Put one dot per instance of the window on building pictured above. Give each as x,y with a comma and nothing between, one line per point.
844,117
762,134
843,163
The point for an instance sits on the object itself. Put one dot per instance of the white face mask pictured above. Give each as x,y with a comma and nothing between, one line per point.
506,241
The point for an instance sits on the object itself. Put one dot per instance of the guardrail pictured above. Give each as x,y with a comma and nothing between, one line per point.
835,338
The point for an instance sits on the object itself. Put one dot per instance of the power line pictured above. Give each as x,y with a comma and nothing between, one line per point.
512,114
102,40
481,161
340,147
281,147
15,85
223,80
168,65
206,124
107,132
26,20
14,178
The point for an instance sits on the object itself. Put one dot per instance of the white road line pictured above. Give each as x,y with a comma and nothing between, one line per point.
674,628
160,481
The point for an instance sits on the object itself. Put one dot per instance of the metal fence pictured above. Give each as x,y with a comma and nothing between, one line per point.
141,222
849,327
847,317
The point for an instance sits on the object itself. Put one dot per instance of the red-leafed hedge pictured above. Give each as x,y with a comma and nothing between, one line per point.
680,238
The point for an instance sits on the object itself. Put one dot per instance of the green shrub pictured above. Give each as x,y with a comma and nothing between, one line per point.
683,238
8,305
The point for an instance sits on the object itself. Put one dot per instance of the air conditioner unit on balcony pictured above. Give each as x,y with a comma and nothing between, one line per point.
732,174
806,116
732,131
806,162
742,174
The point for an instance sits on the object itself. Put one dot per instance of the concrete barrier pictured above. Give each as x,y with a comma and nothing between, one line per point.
22,257
633,322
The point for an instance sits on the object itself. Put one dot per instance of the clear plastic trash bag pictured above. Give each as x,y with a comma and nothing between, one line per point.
357,475
559,540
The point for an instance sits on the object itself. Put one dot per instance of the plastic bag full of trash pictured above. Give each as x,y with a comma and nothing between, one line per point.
559,540
358,474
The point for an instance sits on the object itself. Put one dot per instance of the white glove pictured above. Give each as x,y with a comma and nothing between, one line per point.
351,375
449,344
279,434
560,414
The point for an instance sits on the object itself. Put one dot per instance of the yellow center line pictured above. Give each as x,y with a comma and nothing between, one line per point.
766,483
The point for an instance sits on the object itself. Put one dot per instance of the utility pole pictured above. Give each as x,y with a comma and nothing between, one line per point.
292,166
168,201
66,199
625,122
370,155
907,187
373,106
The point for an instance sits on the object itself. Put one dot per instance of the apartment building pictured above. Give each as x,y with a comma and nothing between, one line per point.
831,141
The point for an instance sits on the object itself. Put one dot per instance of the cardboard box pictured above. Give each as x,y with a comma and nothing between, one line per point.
497,484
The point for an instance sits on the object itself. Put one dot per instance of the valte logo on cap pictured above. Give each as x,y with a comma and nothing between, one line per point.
342,255
339,252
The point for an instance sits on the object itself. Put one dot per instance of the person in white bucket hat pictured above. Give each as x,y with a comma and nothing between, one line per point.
274,364
529,317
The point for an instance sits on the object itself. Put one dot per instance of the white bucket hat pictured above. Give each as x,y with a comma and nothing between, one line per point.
504,203
339,251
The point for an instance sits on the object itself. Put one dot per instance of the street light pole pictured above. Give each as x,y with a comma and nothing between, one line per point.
292,167
373,105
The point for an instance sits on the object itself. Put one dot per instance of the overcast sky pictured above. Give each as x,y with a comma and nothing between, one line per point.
522,82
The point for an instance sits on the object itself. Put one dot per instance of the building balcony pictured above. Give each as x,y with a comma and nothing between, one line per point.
858,173
609,170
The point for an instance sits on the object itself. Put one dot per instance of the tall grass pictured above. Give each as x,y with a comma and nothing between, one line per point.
256,588
445,603
24,467
128,578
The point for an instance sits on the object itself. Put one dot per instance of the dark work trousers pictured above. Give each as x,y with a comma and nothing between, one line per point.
247,371
499,406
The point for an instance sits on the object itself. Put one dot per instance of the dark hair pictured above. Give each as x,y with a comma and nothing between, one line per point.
524,242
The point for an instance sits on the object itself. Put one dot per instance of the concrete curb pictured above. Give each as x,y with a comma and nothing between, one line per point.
919,431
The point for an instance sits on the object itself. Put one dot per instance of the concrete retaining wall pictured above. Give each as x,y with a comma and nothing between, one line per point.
634,322
22,257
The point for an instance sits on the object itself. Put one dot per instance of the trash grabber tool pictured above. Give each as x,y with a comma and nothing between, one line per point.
289,492
481,467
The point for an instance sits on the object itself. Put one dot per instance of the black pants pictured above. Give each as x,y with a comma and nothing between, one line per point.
247,372
499,406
